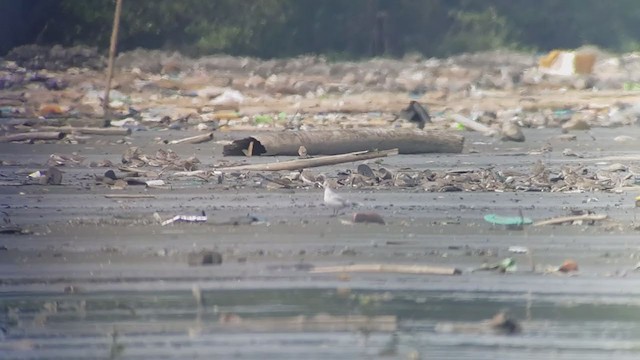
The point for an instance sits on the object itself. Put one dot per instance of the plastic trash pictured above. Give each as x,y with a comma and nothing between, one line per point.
508,221
186,218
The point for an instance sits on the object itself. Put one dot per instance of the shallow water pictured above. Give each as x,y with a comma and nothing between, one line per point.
152,324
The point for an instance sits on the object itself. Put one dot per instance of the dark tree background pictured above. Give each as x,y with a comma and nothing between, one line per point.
343,29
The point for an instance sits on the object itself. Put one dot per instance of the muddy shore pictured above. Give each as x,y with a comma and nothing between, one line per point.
89,265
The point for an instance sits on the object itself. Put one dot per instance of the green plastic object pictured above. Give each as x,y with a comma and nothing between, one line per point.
507,220
508,265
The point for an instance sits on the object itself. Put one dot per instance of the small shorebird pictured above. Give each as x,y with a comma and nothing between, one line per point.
334,200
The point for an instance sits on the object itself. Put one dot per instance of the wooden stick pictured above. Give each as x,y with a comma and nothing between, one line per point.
129,196
194,139
300,164
32,136
473,125
198,173
250,149
88,130
112,55
563,219
388,268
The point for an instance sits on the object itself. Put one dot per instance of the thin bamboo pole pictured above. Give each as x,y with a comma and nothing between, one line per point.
112,55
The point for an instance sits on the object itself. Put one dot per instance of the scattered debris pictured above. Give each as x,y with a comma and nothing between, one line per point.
155,183
500,324
518,249
167,159
506,265
65,160
51,176
186,218
249,219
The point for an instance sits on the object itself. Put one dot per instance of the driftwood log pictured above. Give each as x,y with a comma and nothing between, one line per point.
33,136
331,142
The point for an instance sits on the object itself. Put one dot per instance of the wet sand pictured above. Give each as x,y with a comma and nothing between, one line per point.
92,264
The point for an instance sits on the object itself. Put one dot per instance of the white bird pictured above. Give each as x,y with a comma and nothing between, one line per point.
334,200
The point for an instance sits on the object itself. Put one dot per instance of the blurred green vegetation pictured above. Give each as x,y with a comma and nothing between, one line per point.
336,28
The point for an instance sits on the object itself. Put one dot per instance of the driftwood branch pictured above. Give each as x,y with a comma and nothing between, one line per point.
32,136
314,162
564,219
194,139
389,268
88,130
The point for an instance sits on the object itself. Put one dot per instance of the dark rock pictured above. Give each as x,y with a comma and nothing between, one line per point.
205,257
110,174
511,132
365,170
368,217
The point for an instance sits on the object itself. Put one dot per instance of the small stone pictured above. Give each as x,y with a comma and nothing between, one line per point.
568,266
576,124
365,170
511,132
385,174
368,217
624,139
302,152
110,174
204,257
